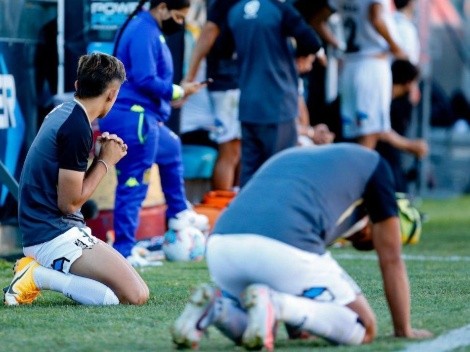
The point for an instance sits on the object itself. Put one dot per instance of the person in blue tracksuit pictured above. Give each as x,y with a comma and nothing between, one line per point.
142,107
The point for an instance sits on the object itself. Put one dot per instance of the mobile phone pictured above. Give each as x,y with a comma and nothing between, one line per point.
207,81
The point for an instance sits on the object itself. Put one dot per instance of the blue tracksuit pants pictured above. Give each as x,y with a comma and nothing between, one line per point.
148,142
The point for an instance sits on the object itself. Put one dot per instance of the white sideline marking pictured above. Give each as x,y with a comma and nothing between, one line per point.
448,342
433,258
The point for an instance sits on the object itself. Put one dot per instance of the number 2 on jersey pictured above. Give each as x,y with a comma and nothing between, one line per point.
350,28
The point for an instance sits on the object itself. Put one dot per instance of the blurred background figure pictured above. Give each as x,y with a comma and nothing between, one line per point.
366,79
224,93
405,75
268,77
408,38
221,126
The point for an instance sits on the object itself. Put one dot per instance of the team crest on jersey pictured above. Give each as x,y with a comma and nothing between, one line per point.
251,9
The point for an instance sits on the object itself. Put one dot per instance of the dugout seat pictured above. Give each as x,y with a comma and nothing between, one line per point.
198,163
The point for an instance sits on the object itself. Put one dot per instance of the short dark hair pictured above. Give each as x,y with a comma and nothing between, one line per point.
363,245
403,71
95,72
171,4
399,4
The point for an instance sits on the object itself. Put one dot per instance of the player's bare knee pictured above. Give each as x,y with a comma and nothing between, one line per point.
143,296
138,297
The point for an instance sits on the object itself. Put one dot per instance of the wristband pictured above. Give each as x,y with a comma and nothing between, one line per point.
104,163
178,92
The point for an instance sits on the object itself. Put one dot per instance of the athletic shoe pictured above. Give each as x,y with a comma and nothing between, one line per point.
188,218
294,333
22,289
261,318
188,329
140,257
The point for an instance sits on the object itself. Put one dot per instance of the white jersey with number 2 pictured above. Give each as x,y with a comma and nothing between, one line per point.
360,36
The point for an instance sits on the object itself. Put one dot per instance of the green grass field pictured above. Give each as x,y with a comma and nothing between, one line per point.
439,271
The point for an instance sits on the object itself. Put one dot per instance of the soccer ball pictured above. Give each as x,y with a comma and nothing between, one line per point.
410,220
184,245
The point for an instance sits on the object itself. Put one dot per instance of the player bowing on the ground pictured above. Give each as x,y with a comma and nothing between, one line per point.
274,266
61,254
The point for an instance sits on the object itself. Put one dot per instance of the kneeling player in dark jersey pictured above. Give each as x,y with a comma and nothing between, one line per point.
268,252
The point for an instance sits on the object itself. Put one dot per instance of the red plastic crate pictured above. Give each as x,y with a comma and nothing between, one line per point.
152,223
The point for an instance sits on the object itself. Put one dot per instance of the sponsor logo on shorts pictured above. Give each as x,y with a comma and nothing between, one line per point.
58,264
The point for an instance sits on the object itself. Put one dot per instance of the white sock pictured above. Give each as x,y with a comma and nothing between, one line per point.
80,289
336,323
230,319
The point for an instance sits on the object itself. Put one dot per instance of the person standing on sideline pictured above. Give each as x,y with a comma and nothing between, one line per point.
268,78
224,94
267,54
60,252
274,265
221,67
408,38
139,115
366,78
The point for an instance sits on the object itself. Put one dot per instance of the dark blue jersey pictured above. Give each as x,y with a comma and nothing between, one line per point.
219,61
308,197
218,9
268,78
63,142
221,64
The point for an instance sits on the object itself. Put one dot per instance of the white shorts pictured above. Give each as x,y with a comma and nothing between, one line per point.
61,252
196,112
366,93
225,105
236,261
